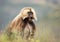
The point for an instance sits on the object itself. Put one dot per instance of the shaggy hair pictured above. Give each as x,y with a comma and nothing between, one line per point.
23,20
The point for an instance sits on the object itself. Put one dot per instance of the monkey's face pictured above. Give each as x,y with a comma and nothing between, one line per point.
29,13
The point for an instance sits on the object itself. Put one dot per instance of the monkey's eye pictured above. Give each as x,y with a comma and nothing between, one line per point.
30,12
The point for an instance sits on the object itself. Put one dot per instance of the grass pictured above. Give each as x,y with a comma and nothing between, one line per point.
4,38
15,38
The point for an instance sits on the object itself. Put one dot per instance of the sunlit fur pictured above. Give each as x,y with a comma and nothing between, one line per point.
19,22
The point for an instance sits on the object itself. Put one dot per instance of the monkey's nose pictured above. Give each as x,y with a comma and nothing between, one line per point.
31,15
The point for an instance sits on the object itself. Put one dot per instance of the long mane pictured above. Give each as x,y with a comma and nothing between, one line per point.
17,22
21,23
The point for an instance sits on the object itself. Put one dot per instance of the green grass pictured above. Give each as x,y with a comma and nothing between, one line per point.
15,38
4,38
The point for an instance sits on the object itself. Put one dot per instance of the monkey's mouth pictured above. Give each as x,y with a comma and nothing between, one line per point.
30,18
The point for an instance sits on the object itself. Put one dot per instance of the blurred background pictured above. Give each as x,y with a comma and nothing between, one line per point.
47,11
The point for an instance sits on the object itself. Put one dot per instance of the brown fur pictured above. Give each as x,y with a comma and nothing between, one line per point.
19,23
